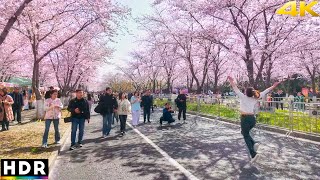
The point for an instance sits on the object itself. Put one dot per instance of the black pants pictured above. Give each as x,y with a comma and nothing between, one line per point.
152,107
277,105
247,123
182,110
169,120
146,113
5,125
17,112
123,120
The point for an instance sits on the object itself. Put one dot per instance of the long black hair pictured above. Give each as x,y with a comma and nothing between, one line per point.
89,97
251,92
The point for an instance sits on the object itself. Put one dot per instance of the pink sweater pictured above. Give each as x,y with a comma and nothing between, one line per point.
53,108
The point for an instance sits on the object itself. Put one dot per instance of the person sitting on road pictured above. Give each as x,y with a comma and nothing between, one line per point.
166,116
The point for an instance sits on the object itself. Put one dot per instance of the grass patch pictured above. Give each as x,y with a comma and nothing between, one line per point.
300,121
160,102
24,141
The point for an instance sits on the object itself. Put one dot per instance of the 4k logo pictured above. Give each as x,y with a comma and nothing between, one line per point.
304,7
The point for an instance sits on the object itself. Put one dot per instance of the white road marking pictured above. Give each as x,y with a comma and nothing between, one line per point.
165,155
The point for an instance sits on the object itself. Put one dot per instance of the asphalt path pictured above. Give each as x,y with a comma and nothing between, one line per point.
200,149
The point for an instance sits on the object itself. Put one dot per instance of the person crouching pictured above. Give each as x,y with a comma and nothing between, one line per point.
166,116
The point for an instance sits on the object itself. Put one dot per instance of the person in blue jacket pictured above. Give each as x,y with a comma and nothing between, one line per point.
166,116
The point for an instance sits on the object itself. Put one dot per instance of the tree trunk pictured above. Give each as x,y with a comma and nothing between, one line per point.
215,84
269,72
313,81
35,88
249,63
169,84
154,86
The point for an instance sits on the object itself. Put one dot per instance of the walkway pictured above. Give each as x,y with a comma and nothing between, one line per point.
200,149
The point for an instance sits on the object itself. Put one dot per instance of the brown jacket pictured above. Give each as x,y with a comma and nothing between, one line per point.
7,107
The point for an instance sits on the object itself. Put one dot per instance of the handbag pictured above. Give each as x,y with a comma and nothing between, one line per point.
99,108
68,118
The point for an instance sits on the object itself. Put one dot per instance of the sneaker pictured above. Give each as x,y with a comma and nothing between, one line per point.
72,148
254,158
149,121
80,144
105,136
44,146
121,134
256,147
58,142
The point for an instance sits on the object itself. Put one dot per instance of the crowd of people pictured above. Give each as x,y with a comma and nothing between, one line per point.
11,106
112,106
117,106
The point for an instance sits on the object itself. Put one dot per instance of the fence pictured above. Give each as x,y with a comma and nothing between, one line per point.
283,112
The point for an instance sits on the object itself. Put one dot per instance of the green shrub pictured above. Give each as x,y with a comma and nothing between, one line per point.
301,121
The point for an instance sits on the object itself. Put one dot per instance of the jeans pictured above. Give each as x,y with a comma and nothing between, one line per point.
146,114
115,116
182,110
107,120
74,127
17,112
123,120
47,128
247,123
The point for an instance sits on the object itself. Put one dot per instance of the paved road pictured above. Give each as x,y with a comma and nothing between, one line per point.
207,149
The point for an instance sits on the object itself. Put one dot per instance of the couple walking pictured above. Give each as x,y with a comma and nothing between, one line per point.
109,105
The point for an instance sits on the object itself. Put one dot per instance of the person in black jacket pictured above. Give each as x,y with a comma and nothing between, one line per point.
79,108
18,104
182,104
279,97
146,104
110,105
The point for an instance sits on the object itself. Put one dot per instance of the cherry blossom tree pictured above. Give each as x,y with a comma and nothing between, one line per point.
5,8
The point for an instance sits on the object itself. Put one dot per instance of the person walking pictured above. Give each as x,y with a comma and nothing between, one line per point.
135,107
110,105
90,101
248,102
182,105
146,103
52,109
115,114
17,105
79,108
6,113
124,109
152,102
